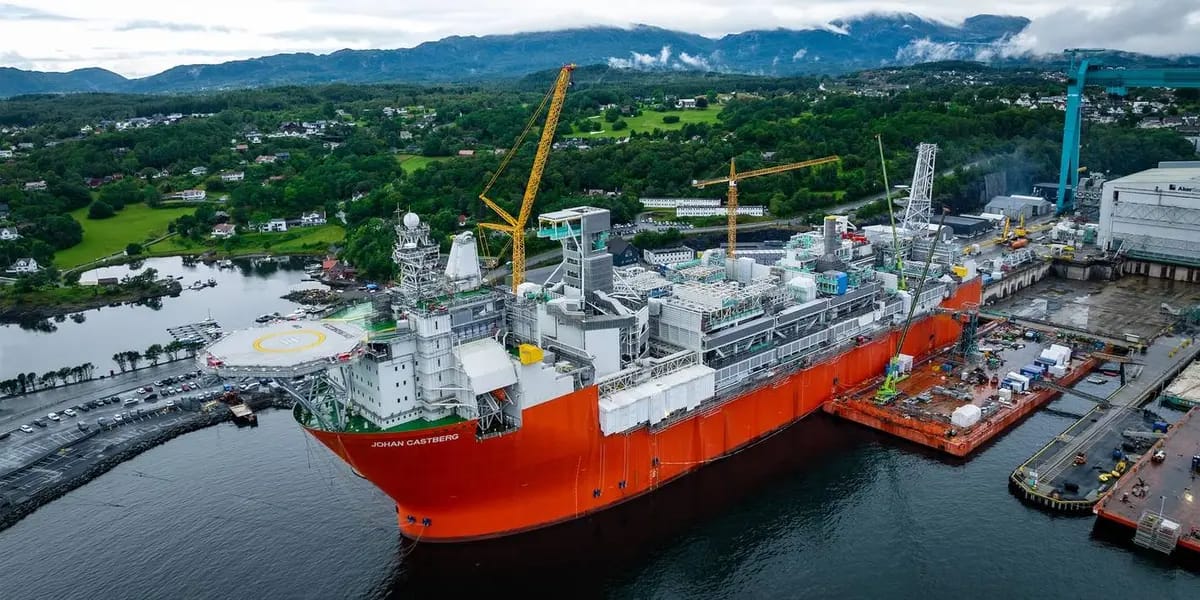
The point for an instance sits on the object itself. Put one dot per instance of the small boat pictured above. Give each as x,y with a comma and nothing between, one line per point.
212,283
1097,380
300,314
78,317
198,285
267,318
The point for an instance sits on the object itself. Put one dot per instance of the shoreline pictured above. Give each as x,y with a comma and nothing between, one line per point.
13,513
21,311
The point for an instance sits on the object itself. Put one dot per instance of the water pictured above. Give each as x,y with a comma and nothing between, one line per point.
825,510
241,295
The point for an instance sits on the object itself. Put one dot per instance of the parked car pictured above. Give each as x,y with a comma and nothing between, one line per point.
39,422
82,425
69,412
26,429
53,417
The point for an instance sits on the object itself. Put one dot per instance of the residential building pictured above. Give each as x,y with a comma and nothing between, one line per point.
24,265
265,159
233,176
35,185
676,202
466,153
623,253
668,256
685,103
282,155
199,171
8,234
223,230
274,225
4,211
751,210
188,195
6,153
313,218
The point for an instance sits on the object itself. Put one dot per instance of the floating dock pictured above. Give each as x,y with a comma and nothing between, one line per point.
929,398
1157,498
1074,470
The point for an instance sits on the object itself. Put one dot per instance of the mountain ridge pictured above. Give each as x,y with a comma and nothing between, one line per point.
867,41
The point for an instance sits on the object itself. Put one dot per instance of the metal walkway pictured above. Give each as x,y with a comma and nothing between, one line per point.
1048,327
1066,390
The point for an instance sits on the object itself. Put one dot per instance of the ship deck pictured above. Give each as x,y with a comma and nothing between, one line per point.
928,397
358,424
1168,489
283,349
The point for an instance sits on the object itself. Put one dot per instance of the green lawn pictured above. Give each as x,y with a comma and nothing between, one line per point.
413,162
298,240
650,120
135,223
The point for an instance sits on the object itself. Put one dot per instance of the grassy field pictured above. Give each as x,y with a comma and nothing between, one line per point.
413,162
650,120
300,240
135,223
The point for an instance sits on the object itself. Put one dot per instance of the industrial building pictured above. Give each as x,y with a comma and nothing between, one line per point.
677,202
753,210
1014,207
623,252
965,226
1154,215
668,256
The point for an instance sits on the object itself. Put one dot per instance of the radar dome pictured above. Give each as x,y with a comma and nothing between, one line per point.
411,220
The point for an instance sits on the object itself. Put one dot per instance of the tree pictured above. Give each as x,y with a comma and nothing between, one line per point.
619,125
133,249
670,119
701,102
121,359
153,353
173,348
100,210
64,373
134,357
88,370
21,381
31,380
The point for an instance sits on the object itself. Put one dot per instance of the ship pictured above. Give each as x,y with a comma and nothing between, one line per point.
484,411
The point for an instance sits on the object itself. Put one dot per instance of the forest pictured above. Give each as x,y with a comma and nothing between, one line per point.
348,161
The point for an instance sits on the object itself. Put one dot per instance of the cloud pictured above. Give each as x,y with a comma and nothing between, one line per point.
24,13
166,26
799,55
15,60
1159,27
695,62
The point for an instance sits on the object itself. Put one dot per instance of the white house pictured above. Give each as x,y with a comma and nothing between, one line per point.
199,171
190,195
274,225
24,265
223,230
685,103
6,153
9,234
35,185
233,176
668,256
712,211
313,218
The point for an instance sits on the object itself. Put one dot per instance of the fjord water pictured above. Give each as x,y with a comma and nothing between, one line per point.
825,510
822,510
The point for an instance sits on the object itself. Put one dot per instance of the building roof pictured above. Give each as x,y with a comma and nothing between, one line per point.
618,245
1167,171
1017,202
673,249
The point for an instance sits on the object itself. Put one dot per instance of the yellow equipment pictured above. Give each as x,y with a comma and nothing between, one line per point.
515,226
529,354
735,177
1020,231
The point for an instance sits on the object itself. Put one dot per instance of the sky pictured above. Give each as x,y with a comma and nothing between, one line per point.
137,38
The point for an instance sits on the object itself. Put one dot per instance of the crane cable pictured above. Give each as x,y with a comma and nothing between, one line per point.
520,139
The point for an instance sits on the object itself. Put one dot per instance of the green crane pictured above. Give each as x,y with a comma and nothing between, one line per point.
888,390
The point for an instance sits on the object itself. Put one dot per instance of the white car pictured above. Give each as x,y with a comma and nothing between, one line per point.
69,412
26,429
53,417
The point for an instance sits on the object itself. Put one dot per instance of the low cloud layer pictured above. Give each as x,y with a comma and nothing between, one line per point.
1159,27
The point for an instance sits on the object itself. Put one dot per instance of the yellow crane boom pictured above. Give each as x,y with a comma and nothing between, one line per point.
515,226
735,177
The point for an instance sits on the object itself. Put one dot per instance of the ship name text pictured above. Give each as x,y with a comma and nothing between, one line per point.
437,439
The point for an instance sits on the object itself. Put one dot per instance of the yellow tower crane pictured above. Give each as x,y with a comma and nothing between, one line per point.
515,226
735,177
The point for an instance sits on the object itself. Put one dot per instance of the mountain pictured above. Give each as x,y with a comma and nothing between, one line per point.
868,41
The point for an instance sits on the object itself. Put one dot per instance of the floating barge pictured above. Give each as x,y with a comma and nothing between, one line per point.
924,410
1157,498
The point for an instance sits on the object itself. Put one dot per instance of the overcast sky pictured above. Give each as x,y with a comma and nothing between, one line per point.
137,38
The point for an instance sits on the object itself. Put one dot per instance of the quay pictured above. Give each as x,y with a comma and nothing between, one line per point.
1074,470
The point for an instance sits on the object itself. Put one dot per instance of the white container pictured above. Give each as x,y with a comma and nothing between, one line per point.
966,415
905,362
1005,395
1057,371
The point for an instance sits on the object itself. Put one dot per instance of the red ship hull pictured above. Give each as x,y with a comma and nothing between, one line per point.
450,487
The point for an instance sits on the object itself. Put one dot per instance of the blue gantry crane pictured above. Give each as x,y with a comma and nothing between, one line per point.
1086,71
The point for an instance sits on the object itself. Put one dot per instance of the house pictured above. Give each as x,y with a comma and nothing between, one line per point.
94,182
283,155
668,256
265,159
336,270
466,153
199,171
187,195
405,135
6,153
8,234
274,225
241,147
223,230
313,218
31,186
623,253
4,211
24,265
685,103
233,176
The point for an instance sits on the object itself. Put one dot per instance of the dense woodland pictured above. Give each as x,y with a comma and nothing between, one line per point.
358,152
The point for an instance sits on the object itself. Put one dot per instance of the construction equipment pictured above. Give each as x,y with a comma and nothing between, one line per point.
1006,234
735,177
515,226
1020,231
900,279
887,390
1085,71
